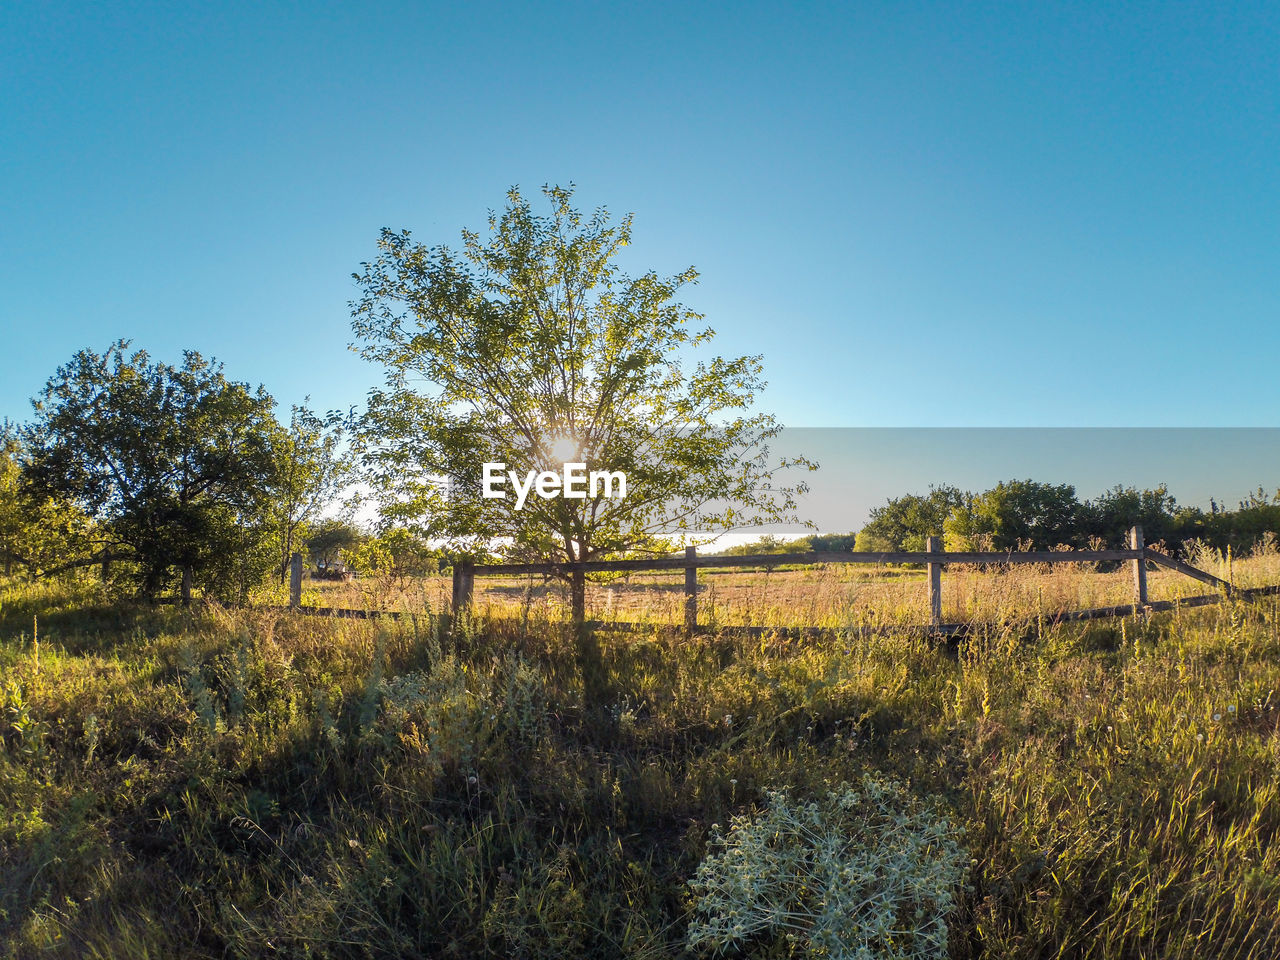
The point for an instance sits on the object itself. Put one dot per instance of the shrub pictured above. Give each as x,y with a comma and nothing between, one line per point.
862,873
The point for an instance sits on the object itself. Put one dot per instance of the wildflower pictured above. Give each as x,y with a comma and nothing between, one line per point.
472,780
1217,717
1199,736
728,719
1231,708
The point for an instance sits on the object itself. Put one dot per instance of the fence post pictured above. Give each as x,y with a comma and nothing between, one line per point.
1139,566
578,596
934,545
464,579
295,580
690,592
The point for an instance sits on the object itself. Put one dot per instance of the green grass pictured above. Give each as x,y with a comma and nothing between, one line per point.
214,784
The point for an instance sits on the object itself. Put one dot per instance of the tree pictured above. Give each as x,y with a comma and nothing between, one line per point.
174,463
41,534
904,523
1243,529
332,539
532,348
1110,516
13,519
832,542
397,554
310,472
1044,515
1018,514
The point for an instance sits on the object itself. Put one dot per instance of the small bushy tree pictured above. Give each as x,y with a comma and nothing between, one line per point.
311,469
397,554
40,534
13,519
903,523
332,539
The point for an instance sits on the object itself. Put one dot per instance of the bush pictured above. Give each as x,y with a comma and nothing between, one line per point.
861,873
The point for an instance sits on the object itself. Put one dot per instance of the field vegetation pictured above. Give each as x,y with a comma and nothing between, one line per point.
832,595
221,776
214,782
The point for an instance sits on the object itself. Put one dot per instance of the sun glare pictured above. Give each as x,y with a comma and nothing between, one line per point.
564,449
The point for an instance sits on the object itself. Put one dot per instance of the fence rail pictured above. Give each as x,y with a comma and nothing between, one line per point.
933,558
781,559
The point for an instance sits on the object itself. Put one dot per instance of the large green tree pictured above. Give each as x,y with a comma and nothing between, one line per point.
175,464
531,347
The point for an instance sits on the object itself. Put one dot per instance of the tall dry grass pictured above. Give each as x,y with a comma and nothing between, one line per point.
828,595
215,783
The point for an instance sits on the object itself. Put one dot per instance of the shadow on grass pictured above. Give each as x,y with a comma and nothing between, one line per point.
84,624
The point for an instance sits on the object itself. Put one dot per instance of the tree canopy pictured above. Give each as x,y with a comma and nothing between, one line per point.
1027,514
175,464
532,348
39,533
311,470
904,522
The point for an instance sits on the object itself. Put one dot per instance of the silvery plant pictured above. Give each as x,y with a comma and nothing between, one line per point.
863,873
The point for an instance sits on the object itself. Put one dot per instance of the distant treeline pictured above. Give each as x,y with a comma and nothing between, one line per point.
1027,515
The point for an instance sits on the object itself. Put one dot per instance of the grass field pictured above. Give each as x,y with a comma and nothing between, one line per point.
829,595
214,783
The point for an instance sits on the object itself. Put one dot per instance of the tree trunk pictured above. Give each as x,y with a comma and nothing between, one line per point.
287,558
186,585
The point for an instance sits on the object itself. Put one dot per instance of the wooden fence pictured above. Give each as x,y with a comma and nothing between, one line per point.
1137,555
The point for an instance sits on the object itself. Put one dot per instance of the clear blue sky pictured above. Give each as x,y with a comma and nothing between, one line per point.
921,214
